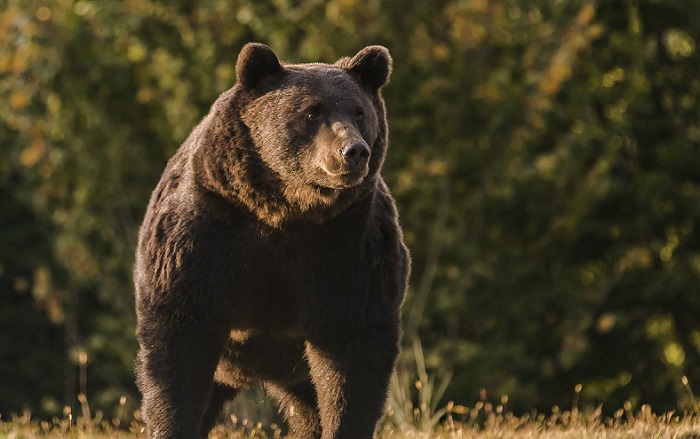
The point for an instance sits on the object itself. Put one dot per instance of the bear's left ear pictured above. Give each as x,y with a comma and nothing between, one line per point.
255,62
371,65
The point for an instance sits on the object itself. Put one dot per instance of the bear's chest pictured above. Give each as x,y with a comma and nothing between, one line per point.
274,280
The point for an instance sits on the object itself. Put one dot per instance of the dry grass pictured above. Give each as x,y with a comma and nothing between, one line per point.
481,422
412,413
558,425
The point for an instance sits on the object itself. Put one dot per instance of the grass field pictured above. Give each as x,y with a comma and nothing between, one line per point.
481,422
412,412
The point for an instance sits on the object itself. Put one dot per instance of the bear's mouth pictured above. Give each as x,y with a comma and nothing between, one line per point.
324,191
331,185
341,179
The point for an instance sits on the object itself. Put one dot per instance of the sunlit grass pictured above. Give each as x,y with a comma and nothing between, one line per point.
24,427
412,412
587,424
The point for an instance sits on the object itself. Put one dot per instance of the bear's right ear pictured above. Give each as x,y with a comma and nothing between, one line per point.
255,62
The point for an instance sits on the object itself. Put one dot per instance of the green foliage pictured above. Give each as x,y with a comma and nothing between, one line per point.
545,158
570,249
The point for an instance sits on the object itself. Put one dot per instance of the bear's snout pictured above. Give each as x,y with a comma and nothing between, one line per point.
356,153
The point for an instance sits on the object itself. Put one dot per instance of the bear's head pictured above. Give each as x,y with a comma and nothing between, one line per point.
309,139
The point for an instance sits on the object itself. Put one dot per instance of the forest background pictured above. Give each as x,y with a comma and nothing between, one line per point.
545,157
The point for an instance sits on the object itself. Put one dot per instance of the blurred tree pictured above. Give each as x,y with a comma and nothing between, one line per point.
545,158
564,138
96,97
28,315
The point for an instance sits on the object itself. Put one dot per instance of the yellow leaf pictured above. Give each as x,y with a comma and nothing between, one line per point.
43,13
19,99
33,153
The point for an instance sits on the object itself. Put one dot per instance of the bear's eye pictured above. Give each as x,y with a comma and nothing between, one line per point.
359,115
313,114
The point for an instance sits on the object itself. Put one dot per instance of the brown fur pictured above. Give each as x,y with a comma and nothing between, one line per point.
270,252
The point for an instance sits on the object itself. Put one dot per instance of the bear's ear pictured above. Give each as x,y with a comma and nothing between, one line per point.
372,66
255,62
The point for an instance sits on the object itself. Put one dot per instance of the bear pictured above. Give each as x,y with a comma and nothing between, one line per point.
270,252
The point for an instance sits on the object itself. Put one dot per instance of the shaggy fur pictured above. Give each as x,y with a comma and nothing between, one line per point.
271,252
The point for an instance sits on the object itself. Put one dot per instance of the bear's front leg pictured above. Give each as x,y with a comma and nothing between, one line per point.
175,369
351,377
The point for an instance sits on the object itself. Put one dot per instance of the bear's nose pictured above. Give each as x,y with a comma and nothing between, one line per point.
356,153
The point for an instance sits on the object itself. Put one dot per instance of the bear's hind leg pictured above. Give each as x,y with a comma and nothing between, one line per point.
299,407
220,394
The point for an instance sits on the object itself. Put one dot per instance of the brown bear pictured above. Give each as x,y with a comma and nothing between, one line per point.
271,253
